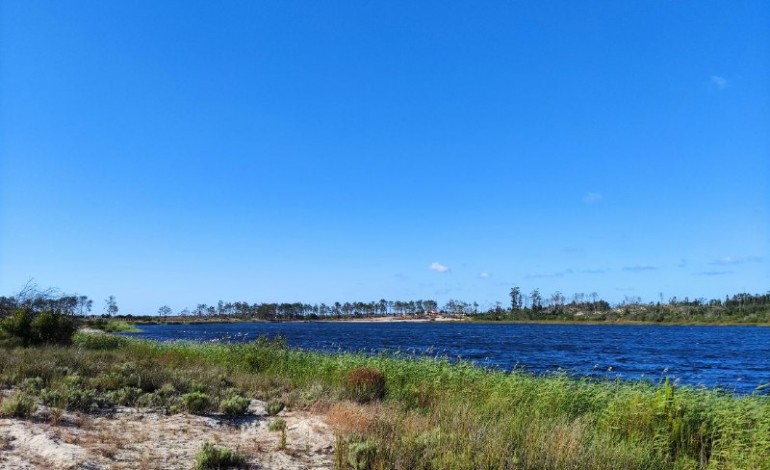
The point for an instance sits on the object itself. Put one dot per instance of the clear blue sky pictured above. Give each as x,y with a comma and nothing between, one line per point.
185,152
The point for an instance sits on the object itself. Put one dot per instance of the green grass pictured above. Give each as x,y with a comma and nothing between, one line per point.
435,414
213,457
112,326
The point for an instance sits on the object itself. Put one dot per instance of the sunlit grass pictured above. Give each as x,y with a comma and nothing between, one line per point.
434,414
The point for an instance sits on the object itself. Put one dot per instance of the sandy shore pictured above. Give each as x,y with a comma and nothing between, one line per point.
129,438
400,319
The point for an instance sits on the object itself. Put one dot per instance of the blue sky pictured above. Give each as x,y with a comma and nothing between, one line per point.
185,152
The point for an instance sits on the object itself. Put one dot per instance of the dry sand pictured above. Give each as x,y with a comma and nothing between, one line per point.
129,438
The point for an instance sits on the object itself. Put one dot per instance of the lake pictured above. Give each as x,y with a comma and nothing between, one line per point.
734,358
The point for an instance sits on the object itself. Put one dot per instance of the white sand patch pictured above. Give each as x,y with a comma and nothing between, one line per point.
130,438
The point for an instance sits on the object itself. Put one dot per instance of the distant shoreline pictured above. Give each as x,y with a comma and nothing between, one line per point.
436,319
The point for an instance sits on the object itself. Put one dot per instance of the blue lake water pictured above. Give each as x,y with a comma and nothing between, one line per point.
734,358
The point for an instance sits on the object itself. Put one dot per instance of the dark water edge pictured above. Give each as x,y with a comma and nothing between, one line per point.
733,358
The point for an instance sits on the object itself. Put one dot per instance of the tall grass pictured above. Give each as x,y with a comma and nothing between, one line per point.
434,414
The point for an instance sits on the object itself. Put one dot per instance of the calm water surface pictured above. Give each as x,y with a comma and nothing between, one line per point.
734,358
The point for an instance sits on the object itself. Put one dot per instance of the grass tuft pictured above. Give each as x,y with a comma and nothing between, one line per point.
213,457
20,405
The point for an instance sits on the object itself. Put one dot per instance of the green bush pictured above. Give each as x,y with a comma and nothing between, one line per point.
213,457
364,384
19,325
274,407
361,455
196,402
41,328
53,328
234,406
98,341
126,396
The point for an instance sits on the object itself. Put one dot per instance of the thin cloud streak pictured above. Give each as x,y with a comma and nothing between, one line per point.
639,268
731,261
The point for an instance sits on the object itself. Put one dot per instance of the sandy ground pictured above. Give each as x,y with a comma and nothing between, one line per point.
129,438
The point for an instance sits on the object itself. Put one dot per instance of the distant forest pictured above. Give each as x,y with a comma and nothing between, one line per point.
739,308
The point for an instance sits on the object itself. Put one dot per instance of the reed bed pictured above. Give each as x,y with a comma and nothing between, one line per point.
432,413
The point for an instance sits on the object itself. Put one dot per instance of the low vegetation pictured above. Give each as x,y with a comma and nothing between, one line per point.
111,326
213,457
405,413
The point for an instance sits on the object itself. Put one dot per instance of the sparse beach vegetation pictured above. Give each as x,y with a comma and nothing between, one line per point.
435,414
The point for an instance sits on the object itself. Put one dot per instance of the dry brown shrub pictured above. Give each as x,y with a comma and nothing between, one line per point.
364,384
351,418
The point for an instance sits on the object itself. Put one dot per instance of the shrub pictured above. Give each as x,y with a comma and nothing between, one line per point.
53,328
98,341
196,402
125,396
19,325
20,406
361,455
213,457
274,407
42,328
72,397
234,406
364,384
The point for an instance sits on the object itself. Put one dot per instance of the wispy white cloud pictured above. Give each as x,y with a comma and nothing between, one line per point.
639,268
713,273
485,275
592,198
733,260
720,83
593,271
549,275
438,267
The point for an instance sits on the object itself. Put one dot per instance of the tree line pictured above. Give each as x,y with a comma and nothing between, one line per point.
742,307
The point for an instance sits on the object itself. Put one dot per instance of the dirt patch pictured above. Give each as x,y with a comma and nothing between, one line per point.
130,438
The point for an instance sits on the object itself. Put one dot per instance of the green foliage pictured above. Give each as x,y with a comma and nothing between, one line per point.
213,457
126,396
39,328
274,407
53,328
70,393
362,455
112,326
364,384
98,341
19,406
234,405
436,414
196,402
19,325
